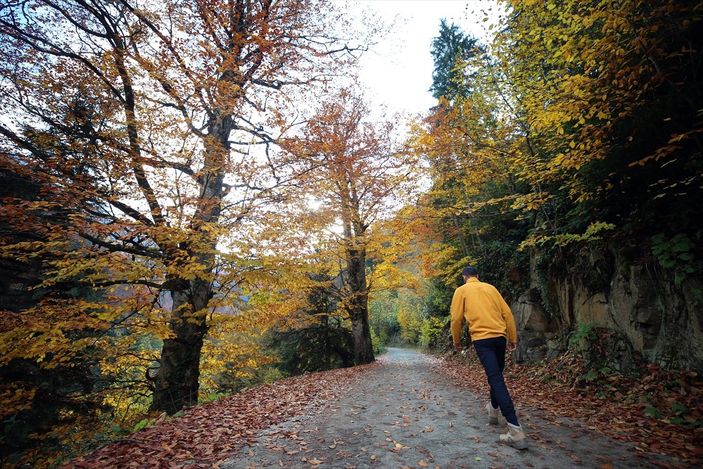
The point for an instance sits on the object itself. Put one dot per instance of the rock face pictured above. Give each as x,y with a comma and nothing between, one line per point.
637,300
535,329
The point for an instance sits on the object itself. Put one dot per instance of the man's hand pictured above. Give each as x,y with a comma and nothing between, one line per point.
457,348
511,347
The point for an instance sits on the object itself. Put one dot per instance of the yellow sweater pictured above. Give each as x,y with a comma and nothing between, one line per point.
485,311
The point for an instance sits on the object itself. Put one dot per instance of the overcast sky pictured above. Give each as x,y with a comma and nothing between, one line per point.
398,70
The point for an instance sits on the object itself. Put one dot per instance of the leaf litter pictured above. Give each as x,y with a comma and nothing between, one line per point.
207,435
615,406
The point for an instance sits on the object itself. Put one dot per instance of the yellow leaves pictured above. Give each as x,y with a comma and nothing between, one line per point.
559,159
530,202
40,332
410,320
231,349
188,268
388,276
27,250
586,78
435,255
593,232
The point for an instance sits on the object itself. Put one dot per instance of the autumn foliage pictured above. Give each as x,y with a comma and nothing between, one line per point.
361,174
208,434
190,186
147,132
567,146
572,148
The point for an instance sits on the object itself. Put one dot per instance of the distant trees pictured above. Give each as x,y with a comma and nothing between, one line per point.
358,171
317,337
468,142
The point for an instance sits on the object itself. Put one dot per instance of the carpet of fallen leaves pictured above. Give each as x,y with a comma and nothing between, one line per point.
614,405
210,433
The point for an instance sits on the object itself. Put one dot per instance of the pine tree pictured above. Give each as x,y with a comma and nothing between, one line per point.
449,50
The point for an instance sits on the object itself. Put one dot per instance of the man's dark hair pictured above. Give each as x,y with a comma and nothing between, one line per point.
469,272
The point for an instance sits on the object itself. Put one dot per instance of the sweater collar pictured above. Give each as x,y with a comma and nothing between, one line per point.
472,280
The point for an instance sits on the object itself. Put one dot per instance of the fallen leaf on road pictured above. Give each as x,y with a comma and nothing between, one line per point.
237,419
612,404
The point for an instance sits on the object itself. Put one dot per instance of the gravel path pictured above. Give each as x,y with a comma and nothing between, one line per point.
404,414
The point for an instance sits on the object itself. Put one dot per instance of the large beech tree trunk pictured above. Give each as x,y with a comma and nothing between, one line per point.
177,382
357,301
176,385
358,306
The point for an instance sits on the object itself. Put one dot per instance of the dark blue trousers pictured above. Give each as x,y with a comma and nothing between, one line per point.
491,352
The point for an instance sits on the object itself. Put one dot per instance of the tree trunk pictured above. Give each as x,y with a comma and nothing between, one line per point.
363,349
358,306
177,382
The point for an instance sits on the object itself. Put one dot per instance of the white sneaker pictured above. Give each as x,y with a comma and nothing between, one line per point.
515,437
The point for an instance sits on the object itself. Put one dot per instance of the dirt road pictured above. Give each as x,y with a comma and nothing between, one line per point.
406,414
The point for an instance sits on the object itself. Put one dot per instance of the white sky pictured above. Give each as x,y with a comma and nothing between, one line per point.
398,70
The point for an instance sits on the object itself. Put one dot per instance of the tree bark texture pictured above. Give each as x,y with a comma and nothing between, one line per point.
358,306
177,382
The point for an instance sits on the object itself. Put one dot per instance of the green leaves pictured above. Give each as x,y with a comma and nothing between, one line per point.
592,375
142,424
652,412
676,253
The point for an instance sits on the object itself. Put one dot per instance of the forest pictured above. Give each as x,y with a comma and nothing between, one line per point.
195,200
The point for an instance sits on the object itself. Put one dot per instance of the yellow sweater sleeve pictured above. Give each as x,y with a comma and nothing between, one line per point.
508,317
457,315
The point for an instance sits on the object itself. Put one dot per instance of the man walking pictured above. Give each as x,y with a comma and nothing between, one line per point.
490,323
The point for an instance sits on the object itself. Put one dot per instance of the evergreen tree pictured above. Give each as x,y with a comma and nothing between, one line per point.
449,50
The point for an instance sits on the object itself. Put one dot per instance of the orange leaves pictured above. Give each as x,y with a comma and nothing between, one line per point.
146,145
357,178
49,329
355,165
214,432
614,407
14,400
